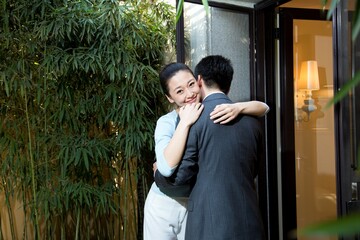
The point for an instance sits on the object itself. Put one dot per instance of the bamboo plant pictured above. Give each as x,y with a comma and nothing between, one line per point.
79,99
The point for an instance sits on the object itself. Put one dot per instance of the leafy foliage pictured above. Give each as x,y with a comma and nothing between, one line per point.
345,226
355,32
79,98
180,7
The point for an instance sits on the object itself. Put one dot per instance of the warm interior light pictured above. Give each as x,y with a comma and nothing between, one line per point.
309,76
308,81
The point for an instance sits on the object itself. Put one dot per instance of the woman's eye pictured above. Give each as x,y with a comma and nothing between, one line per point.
179,92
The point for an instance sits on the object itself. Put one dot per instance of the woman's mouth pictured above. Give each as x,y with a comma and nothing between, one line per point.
193,100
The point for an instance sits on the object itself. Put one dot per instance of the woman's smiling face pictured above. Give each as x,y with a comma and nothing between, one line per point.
183,89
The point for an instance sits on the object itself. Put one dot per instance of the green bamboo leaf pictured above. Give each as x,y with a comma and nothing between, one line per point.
114,99
77,156
179,10
356,21
67,198
112,73
99,153
344,226
344,90
332,8
61,115
89,150
38,98
22,91
86,198
206,6
75,64
86,159
66,158
7,88
323,3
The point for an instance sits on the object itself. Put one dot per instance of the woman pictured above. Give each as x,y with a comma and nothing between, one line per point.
165,217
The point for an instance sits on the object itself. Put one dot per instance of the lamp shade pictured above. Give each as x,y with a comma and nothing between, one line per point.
309,76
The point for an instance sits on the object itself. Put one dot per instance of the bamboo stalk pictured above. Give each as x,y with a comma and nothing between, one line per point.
33,182
133,195
125,197
47,226
77,223
25,212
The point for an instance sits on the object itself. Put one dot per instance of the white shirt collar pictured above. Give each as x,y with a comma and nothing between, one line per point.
213,93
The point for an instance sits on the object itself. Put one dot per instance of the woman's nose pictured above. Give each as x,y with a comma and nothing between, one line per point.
190,93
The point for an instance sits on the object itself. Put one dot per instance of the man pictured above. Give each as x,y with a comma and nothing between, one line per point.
223,159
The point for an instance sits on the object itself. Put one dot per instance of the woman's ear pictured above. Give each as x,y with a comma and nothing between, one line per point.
169,99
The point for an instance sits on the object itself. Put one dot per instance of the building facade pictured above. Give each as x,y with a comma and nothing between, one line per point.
295,58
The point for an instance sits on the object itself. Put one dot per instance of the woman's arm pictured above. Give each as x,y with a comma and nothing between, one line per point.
175,149
224,113
170,140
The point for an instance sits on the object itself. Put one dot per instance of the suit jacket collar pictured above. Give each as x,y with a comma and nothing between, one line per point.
215,96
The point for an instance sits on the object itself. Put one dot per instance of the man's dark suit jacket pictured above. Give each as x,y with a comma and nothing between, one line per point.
223,203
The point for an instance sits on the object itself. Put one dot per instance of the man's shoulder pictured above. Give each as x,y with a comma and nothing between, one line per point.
213,100
251,123
249,118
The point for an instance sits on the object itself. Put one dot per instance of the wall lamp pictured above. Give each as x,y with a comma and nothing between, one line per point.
308,82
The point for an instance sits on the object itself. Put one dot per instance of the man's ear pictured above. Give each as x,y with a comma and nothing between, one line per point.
200,80
169,99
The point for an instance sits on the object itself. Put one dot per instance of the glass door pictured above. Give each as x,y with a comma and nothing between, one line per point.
226,31
317,148
315,158
308,144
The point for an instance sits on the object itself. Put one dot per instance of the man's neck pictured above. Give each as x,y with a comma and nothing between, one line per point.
208,92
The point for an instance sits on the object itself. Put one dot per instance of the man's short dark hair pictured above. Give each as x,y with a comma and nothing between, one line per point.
215,70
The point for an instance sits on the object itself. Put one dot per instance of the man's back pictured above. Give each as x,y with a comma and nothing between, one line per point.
223,203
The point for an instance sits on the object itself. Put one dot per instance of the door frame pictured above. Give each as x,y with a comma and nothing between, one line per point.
342,111
288,176
265,82
266,77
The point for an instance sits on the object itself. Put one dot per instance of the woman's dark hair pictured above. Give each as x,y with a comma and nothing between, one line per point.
168,72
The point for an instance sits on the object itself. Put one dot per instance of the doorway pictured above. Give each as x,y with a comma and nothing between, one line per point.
315,160
304,149
308,164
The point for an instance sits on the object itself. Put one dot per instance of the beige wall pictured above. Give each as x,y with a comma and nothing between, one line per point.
17,213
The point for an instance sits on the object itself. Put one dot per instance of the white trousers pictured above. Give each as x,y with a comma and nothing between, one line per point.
164,217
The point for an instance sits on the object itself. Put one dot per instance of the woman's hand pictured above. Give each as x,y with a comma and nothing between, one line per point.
190,113
224,113
154,167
